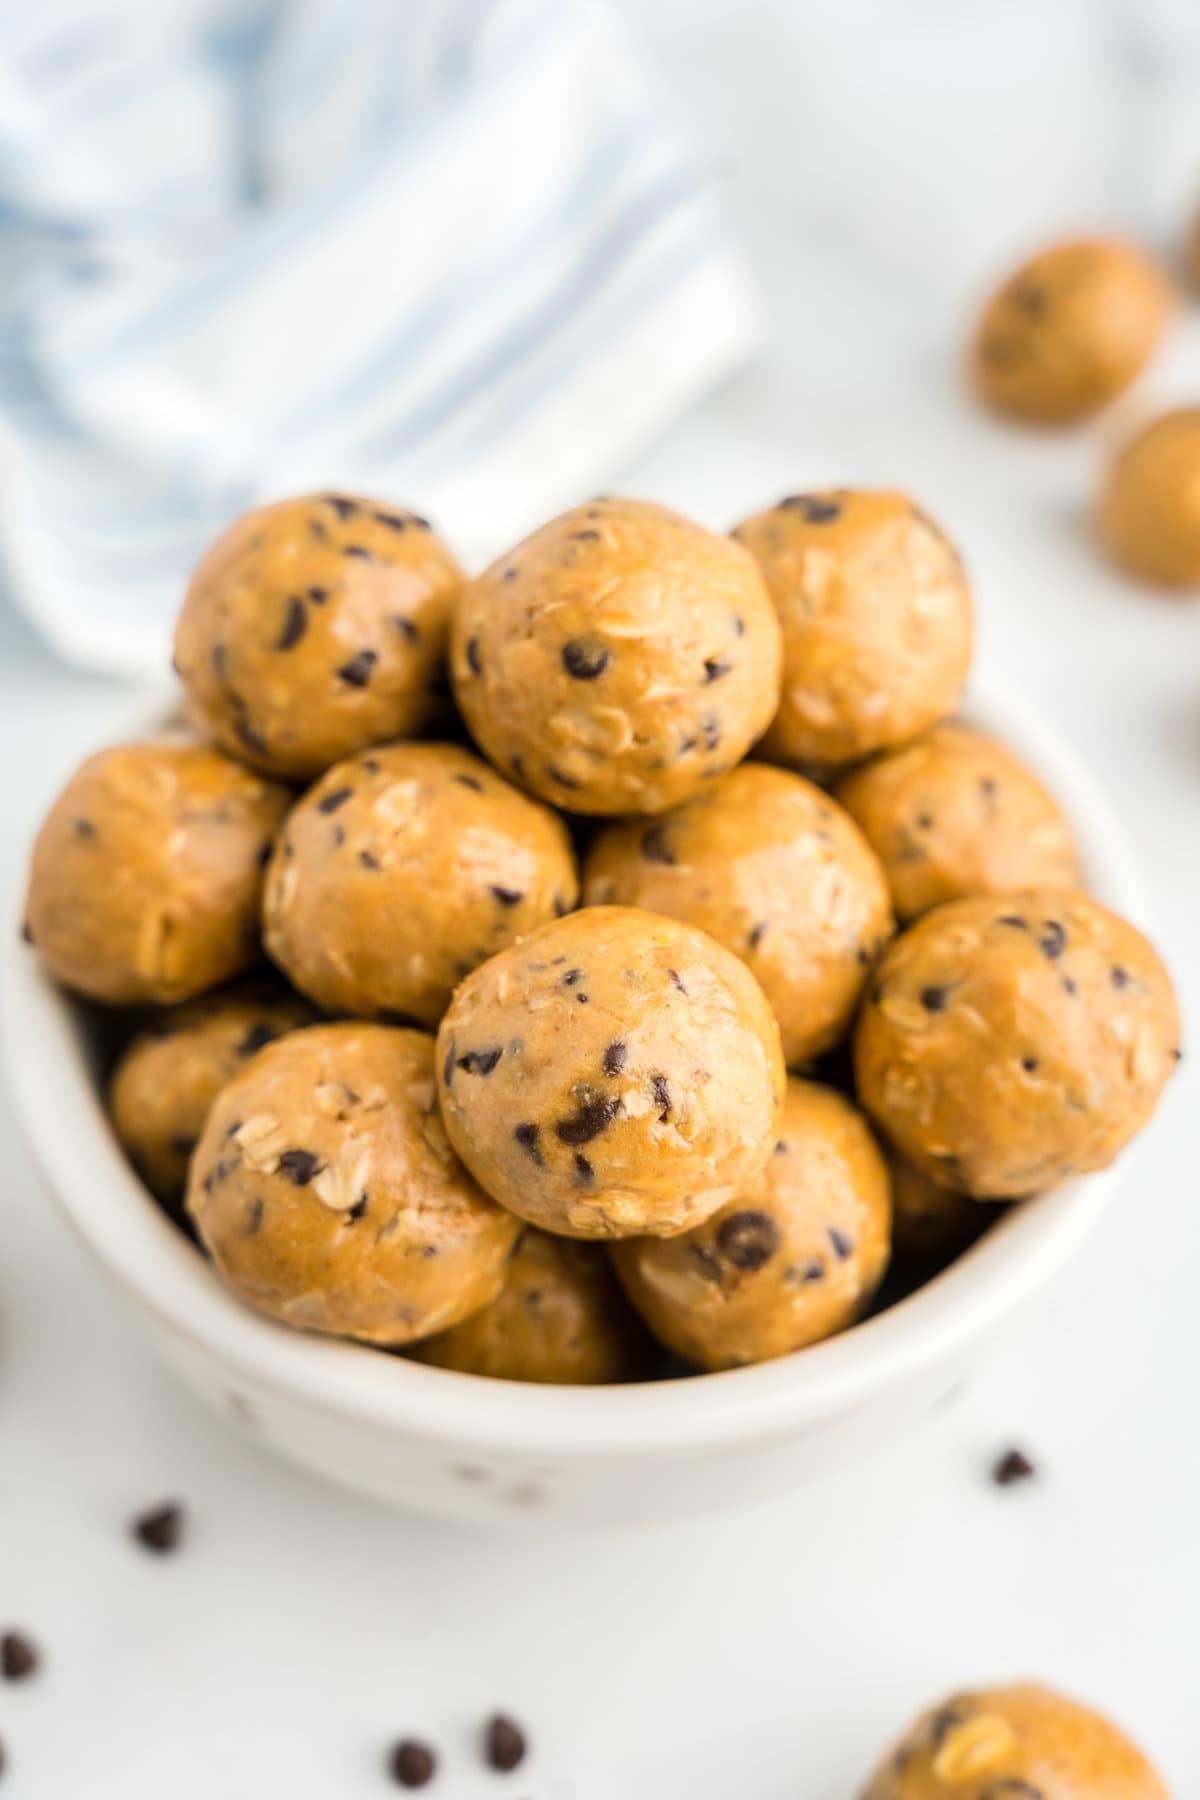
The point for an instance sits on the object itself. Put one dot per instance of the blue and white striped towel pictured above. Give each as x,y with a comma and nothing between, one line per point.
443,250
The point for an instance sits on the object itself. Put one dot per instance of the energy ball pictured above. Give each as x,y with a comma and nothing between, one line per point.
147,872
1148,517
315,627
876,617
561,1317
1069,331
931,1225
617,659
613,1074
401,871
956,814
325,1190
173,1070
1014,1743
1007,1042
794,1258
769,866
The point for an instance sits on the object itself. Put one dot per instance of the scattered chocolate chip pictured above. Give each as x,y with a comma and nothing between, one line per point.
504,1744
299,1166
714,668
18,1656
527,1136
816,510
739,625
507,896
329,803
368,860
354,1213
677,980
360,551
1015,920
662,1094
655,847
318,595
564,780
748,1239
583,1167
780,1148
254,1217
571,978
419,522
843,1246
943,1723
583,536
585,658
516,763
757,934
480,1062
412,1764
934,999
988,788
615,1057
85,829
408,631
924,821
509,574
244,727
1068,985
710,731
469,781
393,1015
160,1529
806,1273
472,654
393,520
1029,1064
1119,976
294,625
582,998
1012,1467
357,672
1053,940
593,1114
370,764
217,659
342,505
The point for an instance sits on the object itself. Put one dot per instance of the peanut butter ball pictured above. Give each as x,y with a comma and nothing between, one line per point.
560,1318
618,659
876,618
1070,330
614,1073
956,814
1014,1743
146,874
1148,517
794,1258
315,627
325,1190
1009,1042
773,869
401,871
170,1073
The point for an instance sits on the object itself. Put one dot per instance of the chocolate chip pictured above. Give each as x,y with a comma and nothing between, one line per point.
160,1529
1068,985
480,1062
1012,1467
1119,976
571,978
368,860
509,574
843,1246
655,847
299,1166
585,658
677,980
1053,940
357,672
710,731
739,625
254,1217
294,625
583,536
516,763
615,1057
781,1148
1029,1064
412,1764
757,934
662,1094
748,1239
408,631
924,821
419,522
582,999
583,1167
563,780
354,1213
805,1274
257,1038
344,507
504,1744
329,803
360,551
318,595
393,520
472,654
714,668
593,1114
217,659
244,727
527,1136
816,511
988,788
18,1656
84,828
317,528
944,1722
507,896
1015,920
469,781
934,999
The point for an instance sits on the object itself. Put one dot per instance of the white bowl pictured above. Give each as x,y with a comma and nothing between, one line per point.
501,1452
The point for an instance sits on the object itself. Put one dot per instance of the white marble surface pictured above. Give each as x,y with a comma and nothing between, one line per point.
881,160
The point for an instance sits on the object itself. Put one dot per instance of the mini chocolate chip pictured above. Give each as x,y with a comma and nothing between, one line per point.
329,803
217,659
739,625
677,980
583,1167
509,574
85,829
1068,985
1119,976
448,1065
1012,1467
780,1148
757,934
360,551
160,1529
18,1656
615,1057
469,781
527,1136
299,1166
408,631
582,999
988,787
585,658
254,1217
419,522
714,668
244,727
563,779
593,1114
1053,940
393,520
507,896
710,731
944,1722
571,977
318,595
504,1744
655,847
472,653
412,1764
344,507
317,528
1015,920
748,1239
357,672
354,1213
934,999
368,860
924,821
370,764
843,1246
806,1273
294,625
480,1062
583,536
662,1094
816,510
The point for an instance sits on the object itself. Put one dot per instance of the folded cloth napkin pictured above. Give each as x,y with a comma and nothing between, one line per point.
443,251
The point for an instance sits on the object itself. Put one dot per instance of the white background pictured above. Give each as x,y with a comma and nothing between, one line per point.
881,161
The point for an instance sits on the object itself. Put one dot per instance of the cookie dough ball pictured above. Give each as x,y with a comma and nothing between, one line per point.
1014,1743
956,814
315,627
326,1192
931,1225
1149,512
876,617
147,873
617,659
1009,1042
794,1258
560,1318
401,871
1069,331
769,866
173,1070
612,1074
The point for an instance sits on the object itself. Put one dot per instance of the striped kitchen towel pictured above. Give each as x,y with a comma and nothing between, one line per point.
445,251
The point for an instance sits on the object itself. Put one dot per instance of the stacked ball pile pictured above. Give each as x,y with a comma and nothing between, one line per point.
520,1089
